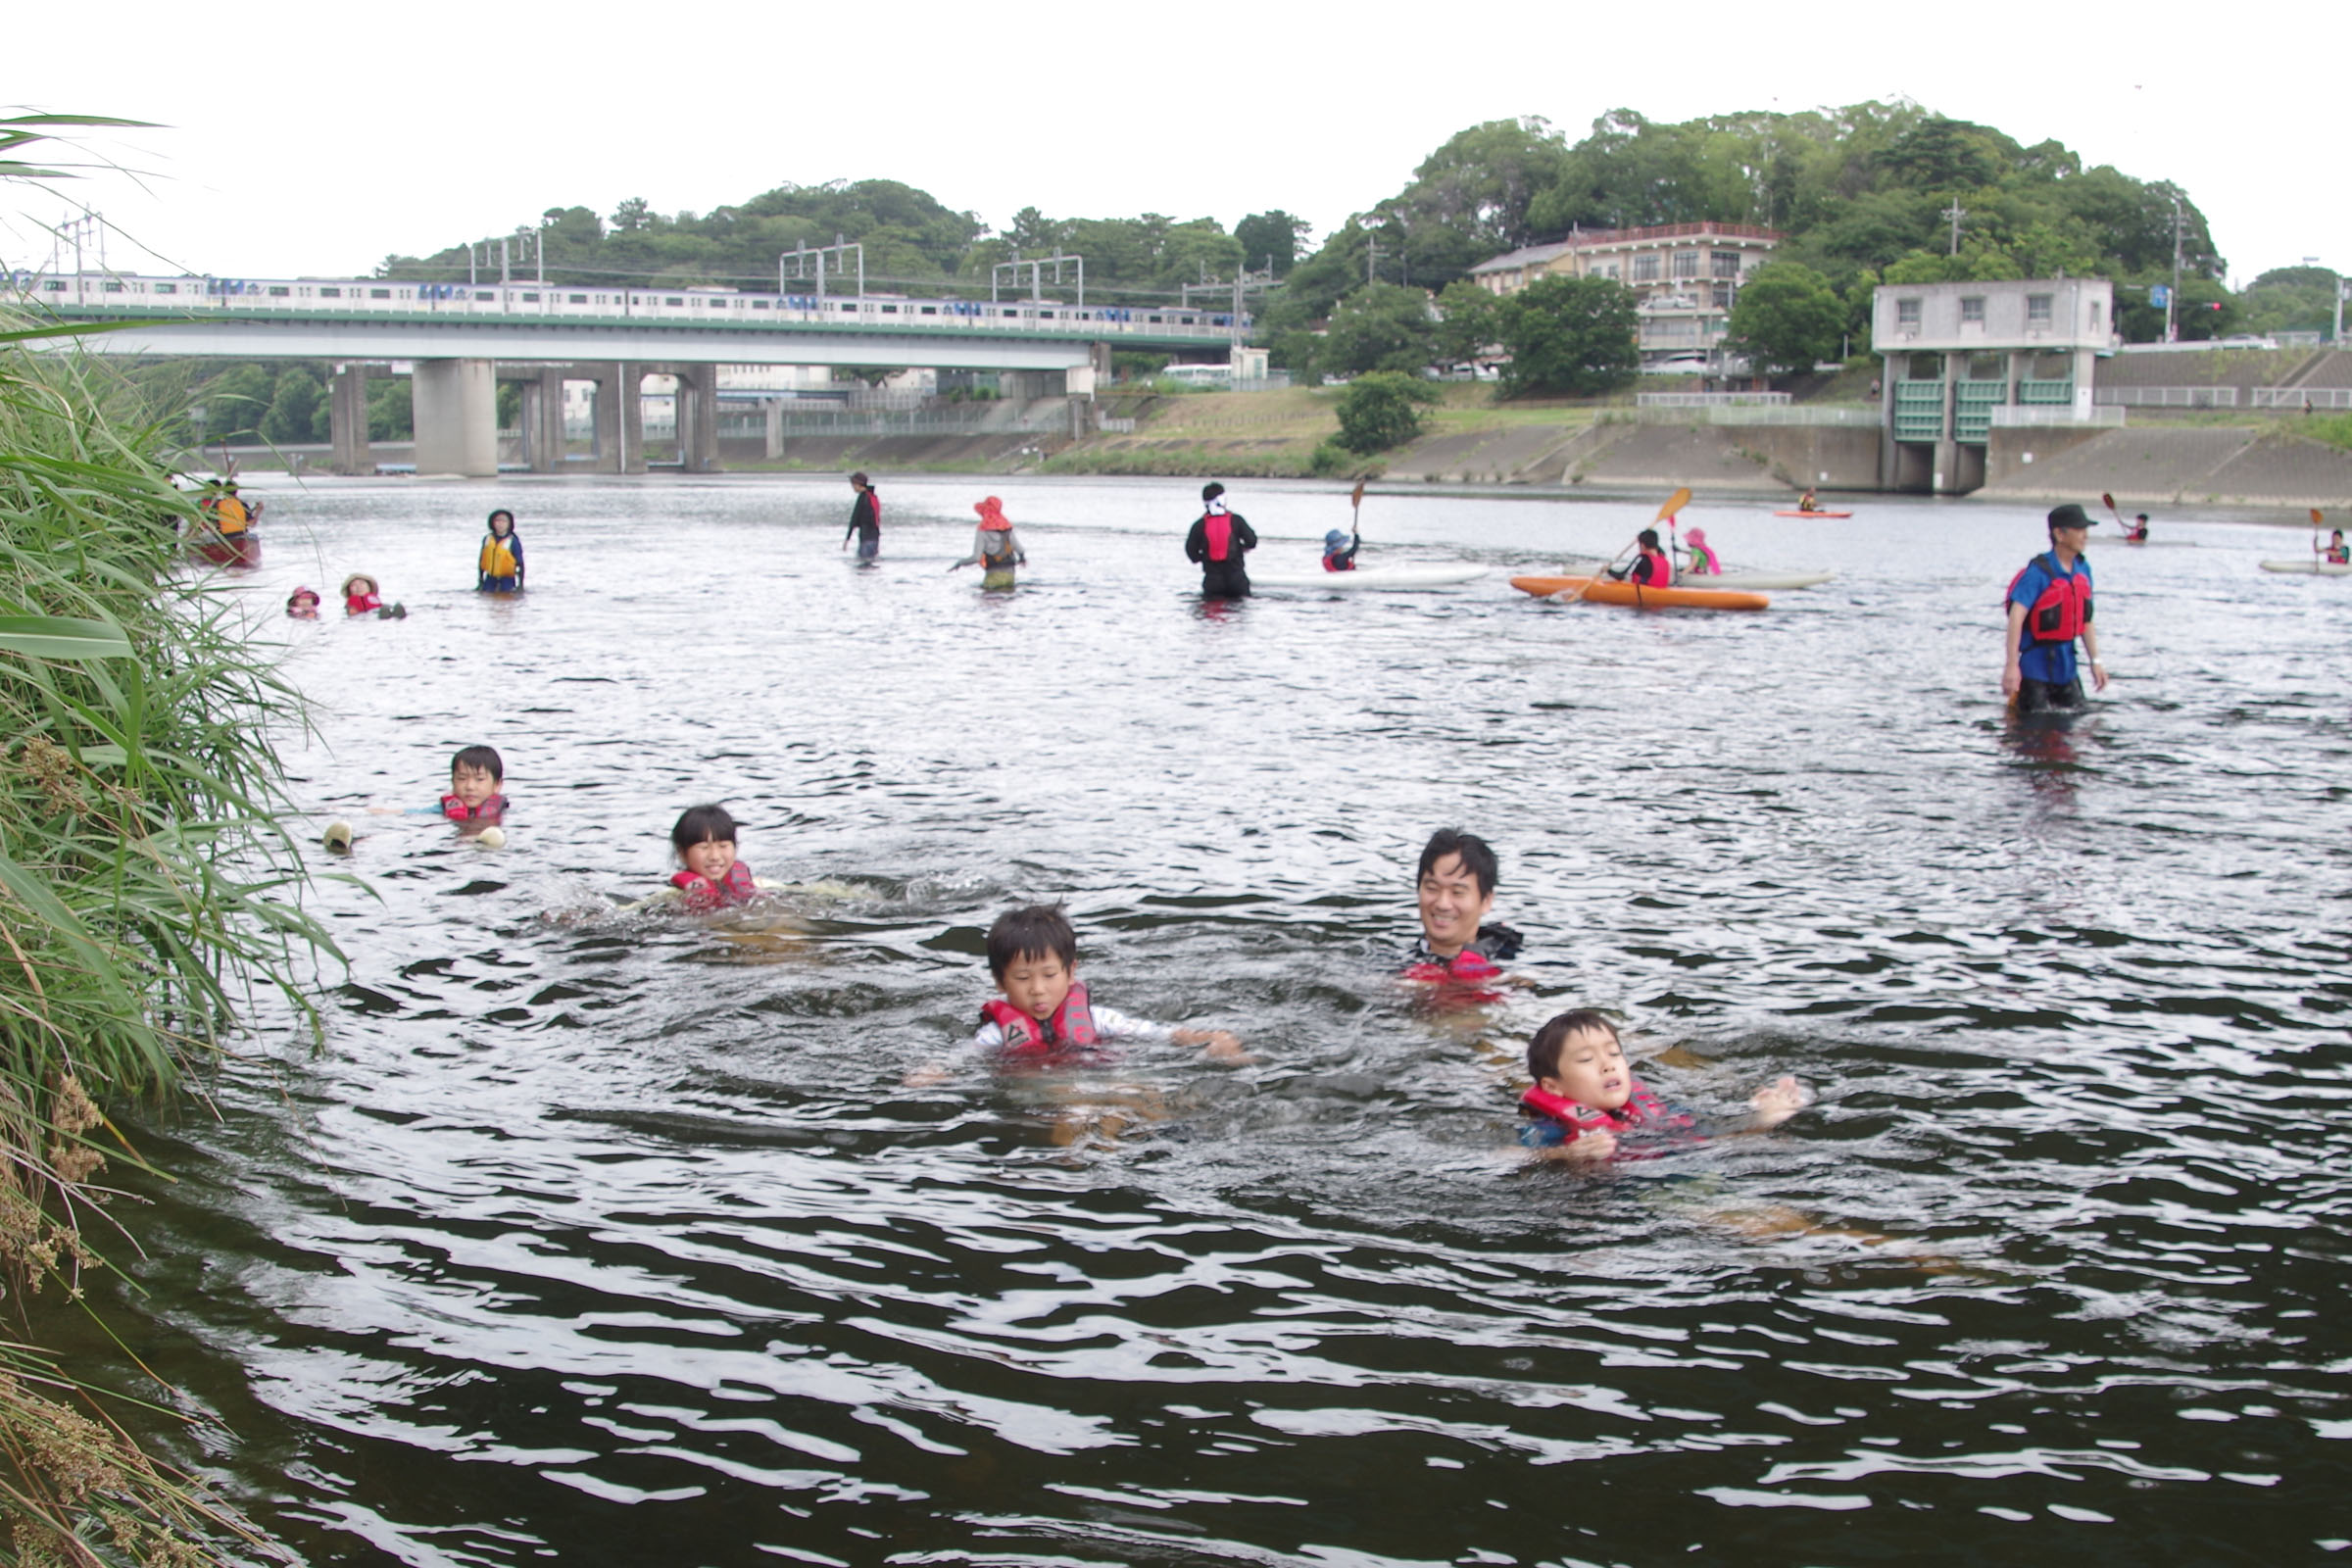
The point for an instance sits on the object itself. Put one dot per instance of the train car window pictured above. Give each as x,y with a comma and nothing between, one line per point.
761,305
111,287
330,293
379,293
930,309
673,300
483,294
579,299
277,290
166,288
890,309
1045,314
1153,319
54,286
530,299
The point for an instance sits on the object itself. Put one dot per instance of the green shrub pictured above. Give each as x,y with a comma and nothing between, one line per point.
1381,410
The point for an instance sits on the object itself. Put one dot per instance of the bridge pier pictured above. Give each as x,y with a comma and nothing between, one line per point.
456,418
347,419
543,420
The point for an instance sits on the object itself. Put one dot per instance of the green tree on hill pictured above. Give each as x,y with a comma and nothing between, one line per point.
1379,327
1572,335
1786,319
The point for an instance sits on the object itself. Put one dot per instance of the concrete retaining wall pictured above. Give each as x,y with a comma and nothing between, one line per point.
2211,464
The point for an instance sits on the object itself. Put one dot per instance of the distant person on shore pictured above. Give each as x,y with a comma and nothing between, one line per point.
866,518
2137,532
2337,553
1220,539
1703,561
1585,1097
302,604
500,568
1339,549
995,550
2049,607
709,876
1454,892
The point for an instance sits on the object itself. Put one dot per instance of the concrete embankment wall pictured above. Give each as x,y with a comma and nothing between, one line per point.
2157,463
1735,456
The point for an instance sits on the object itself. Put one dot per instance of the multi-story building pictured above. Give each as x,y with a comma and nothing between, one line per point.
1685,275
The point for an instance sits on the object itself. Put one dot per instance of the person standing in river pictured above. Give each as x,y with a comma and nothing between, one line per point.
1220,537
2049,606
866,518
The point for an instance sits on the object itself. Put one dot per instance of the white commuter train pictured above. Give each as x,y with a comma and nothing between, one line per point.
695,306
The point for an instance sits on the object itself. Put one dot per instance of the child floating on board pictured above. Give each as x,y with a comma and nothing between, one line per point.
995,550
1454,889
361,597
711,877
302,604
499,569
1586,1096
1339,549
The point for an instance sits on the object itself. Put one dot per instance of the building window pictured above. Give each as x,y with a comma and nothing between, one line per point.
1685,264
1906,314
1727,264
1646,267
1723,296
1972,310
2038,310
2094,315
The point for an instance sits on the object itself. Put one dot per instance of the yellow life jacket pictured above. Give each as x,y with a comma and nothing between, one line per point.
498,556
229,514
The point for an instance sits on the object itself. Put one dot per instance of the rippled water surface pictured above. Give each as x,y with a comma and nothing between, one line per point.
606,1236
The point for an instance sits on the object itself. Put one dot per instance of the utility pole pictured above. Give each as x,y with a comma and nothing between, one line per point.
505,263
2335,339
2172,302
1955,213
1372,259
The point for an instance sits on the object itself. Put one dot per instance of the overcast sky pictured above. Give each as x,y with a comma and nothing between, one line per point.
316,140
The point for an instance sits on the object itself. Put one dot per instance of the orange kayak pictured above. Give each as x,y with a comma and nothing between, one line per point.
1609,591
1812,514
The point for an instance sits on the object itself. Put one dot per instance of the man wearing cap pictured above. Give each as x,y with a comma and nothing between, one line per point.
2049,606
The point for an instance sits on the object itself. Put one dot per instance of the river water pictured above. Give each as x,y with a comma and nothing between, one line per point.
604,1236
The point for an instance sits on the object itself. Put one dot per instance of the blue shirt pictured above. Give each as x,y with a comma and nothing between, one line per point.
2052,664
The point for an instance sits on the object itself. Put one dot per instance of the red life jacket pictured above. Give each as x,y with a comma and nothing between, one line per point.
1071,1026
490,811
1640,1109
1468,964
1345,563
1661,572
361,604
736,887
1217,529
2064,608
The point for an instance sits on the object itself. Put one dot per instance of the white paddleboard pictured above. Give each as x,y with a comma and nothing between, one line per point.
2308,569
1396,579
1749,581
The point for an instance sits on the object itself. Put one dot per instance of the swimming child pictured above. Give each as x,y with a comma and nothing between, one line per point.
477,777
1456,891
2337,553
713,878
995,550
500,567
302,605
361,597
1586,1095
1033,958
1703,561
1339,549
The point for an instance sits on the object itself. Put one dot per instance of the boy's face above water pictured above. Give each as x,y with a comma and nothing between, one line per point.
712,858
1452,906
1039,985
1593,1071
472,785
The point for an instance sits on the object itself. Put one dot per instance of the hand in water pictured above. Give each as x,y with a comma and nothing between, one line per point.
1593,1146
1219,1045
1775,1102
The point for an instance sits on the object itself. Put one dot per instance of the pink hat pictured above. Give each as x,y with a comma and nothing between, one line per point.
1697,536
991,515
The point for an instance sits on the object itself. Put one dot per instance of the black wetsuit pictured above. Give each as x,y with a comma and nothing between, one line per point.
1228,578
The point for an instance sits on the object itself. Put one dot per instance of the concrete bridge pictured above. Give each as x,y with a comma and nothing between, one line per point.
462,339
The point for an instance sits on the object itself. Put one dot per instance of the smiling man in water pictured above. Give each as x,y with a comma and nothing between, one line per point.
1456,893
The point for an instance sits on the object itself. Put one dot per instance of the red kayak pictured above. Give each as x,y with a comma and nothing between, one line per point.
1812,514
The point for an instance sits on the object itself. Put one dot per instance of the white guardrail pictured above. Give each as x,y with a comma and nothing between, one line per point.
2009,415
1709,400
2165,397
2302,396
683,305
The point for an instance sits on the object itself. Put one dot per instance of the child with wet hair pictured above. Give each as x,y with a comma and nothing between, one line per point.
302,604
477,777
710,877
1586,1094
1044,1009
